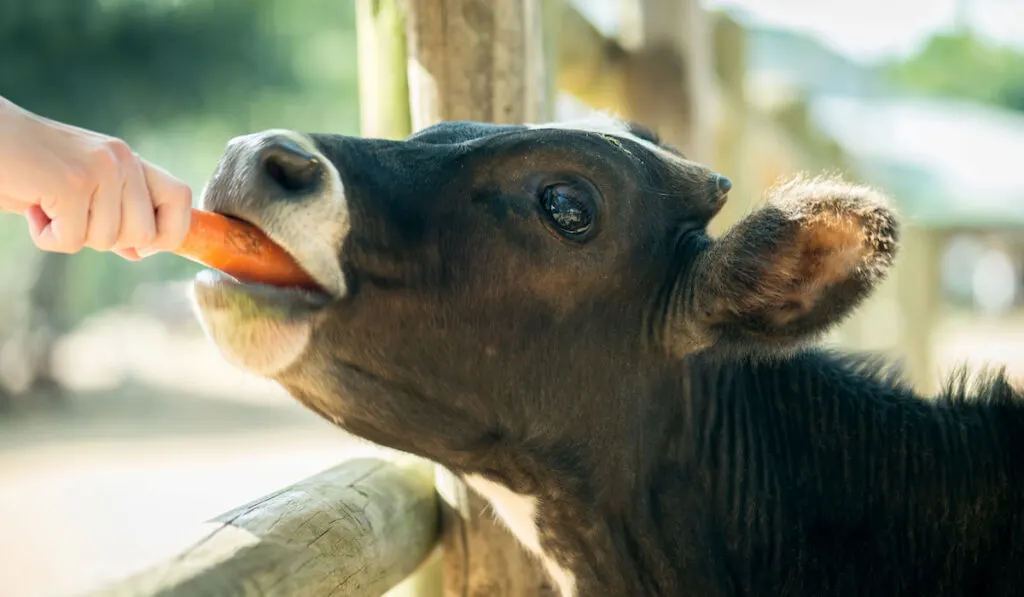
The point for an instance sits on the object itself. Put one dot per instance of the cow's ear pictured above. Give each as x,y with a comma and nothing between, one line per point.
788,271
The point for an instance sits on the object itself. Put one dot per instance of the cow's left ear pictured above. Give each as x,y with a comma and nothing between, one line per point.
789,271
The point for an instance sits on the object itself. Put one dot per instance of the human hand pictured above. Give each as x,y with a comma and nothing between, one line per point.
78,188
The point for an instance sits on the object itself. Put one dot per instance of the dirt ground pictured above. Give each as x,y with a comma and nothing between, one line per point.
162,435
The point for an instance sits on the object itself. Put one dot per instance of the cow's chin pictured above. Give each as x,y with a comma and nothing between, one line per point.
262,329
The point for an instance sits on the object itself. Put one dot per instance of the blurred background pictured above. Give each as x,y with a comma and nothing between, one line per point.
120,426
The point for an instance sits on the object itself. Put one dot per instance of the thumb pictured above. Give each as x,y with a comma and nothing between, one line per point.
172,200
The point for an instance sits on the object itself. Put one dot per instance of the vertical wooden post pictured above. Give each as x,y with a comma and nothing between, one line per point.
732,125
478,60
475,60
674,46
590,67
918,286
383,83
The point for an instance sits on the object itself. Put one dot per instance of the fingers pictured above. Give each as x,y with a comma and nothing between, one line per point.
138,222
103,223
129,254
172,200
37,221
58,226
81,189
84,209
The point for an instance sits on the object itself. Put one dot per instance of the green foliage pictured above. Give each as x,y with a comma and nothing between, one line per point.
96,63
964,66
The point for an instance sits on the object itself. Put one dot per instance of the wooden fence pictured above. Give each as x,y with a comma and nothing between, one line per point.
362,527
357,529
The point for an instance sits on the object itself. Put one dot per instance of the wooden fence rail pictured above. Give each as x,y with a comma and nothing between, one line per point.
355,530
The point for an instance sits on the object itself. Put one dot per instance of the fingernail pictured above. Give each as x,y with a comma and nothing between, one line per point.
143,253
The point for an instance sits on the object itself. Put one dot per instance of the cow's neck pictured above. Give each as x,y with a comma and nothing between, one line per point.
569,536
521,513
572,501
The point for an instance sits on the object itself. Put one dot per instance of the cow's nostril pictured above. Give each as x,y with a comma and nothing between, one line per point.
290,167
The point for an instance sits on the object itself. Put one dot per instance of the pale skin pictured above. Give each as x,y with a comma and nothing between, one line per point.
80,189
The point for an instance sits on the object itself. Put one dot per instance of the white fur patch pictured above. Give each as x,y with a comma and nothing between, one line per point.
312,230
263,346
519,513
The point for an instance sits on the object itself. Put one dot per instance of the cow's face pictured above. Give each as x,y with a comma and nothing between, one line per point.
490,284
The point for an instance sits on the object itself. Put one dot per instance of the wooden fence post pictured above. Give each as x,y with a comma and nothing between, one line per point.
731,151
918,288
672,46
383,83
478,60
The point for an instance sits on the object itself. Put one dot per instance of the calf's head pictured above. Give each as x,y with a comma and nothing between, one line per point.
518,285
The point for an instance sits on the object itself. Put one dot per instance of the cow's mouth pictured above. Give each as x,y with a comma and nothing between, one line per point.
259,327
219,290
280,182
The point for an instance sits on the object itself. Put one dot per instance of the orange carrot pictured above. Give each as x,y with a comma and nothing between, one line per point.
241,250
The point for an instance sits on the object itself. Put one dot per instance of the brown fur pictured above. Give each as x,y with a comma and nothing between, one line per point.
814,245
473,332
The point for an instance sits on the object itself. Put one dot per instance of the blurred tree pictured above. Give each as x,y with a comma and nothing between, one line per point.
965,66
115,65
98,63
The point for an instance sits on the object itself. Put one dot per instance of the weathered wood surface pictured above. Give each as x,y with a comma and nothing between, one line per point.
475,60
478,60
355,530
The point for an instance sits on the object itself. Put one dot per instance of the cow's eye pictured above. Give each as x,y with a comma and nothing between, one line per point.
570,209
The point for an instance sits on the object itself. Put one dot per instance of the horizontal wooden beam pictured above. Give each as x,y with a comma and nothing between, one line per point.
357,529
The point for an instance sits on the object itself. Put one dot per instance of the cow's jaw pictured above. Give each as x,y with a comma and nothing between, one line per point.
261,329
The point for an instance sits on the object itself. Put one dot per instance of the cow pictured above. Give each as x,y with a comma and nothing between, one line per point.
542,310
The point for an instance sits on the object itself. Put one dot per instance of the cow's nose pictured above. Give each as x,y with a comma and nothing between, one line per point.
289,167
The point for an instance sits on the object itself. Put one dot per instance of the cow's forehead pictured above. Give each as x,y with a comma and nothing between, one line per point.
461,131
605,124
617,128
455,132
